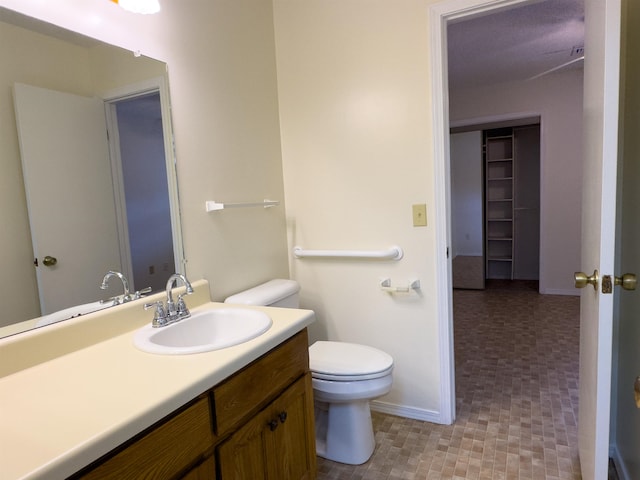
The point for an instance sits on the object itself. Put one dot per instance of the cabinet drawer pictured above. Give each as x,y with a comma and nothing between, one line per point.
165,451
244,394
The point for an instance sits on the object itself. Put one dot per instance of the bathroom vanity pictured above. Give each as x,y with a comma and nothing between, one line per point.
104,409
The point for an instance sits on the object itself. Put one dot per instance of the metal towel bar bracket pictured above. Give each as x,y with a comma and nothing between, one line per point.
385,285
393,253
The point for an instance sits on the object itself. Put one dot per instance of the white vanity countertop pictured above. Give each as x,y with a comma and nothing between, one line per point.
59,415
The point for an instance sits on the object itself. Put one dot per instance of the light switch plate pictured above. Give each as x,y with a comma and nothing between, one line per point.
420,215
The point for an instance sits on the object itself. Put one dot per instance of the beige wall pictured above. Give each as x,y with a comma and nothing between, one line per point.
357,146
355,113
352,108
557,98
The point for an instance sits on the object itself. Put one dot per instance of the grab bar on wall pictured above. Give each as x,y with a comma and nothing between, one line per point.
213,206
393,253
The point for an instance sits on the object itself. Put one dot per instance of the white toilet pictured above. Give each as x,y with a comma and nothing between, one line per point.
345,376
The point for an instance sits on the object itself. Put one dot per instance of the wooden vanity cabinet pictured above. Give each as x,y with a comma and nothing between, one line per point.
256,424
274,444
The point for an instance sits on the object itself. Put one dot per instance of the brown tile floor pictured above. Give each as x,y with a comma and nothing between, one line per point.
517,397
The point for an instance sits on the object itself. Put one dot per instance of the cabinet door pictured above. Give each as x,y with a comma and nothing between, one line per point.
204,471
277,444
287,446
242,457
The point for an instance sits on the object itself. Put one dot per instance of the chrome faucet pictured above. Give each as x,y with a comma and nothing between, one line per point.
127,295
174,311
125,284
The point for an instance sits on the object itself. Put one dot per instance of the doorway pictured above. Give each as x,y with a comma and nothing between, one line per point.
139,170
145,184
551,185
495,203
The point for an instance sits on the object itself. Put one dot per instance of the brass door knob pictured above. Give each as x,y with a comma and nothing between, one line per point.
49,261
628,281
582,279
636,391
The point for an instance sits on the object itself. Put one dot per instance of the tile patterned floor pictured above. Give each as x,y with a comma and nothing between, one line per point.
517,398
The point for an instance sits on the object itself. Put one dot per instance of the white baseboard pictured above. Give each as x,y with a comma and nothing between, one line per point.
560,291
406,412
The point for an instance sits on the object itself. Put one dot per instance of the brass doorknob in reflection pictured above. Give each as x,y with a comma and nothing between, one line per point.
636,391
628,281
49,261
582,279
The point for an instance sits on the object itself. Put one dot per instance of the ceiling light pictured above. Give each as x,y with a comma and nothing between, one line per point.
139,6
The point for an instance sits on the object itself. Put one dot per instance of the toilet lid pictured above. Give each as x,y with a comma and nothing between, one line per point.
342,361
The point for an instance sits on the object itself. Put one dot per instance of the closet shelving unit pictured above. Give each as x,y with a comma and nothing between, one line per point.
499,188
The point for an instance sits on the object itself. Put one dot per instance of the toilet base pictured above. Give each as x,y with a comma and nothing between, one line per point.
344,432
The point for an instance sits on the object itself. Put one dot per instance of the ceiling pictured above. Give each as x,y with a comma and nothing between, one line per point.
516,43
513,44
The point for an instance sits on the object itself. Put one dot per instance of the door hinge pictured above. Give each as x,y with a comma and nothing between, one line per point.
447,252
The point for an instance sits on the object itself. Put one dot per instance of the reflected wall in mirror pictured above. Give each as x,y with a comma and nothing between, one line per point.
123,184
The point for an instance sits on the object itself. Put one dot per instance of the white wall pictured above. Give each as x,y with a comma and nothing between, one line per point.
557,98
225,115
359,157
466,193
355,113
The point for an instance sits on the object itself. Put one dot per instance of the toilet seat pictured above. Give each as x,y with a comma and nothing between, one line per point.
348,362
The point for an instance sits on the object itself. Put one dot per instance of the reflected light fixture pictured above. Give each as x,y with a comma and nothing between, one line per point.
139,6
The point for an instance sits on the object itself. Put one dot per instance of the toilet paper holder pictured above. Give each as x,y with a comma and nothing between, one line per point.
385,285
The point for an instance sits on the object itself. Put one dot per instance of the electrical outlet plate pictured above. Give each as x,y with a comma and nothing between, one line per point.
420,215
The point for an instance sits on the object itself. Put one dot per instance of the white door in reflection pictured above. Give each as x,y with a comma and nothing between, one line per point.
65,161
96,202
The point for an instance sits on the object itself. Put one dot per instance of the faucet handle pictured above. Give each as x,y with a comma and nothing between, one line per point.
138,294
159,316
183,310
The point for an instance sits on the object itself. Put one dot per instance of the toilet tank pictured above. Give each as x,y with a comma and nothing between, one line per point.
274,293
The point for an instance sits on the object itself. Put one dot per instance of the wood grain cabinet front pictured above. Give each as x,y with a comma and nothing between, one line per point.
165,451
257,424
277,444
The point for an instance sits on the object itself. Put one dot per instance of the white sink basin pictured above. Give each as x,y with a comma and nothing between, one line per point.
204,331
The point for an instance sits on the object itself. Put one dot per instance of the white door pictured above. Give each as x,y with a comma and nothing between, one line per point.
69,189
602,58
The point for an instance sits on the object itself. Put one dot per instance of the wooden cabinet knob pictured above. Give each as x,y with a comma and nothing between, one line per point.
273,424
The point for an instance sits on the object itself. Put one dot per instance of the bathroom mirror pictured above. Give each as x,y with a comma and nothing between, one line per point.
120,189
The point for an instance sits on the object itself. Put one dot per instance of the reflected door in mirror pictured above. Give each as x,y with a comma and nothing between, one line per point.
71,208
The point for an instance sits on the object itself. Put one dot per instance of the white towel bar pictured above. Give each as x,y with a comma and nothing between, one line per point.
393,253
213,206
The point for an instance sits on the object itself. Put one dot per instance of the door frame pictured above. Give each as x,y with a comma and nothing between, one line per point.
439,15
111,98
